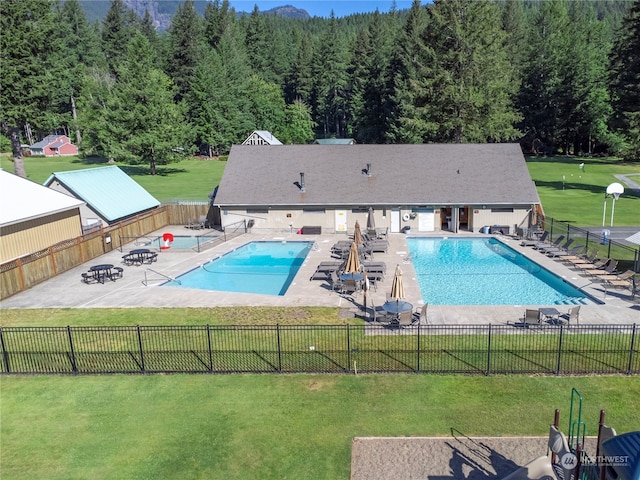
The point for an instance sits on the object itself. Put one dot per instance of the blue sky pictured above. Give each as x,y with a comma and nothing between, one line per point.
319,8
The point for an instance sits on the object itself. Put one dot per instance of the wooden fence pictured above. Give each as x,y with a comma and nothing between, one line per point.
22,273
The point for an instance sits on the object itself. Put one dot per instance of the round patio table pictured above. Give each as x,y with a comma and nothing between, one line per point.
357,276
397,307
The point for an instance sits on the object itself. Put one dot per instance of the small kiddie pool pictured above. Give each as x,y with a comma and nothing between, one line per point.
266,268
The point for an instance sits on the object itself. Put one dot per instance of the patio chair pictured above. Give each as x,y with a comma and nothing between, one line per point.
635,287
350,285
420,315
573,315
621,280
405,319
531,317
378,317
336,284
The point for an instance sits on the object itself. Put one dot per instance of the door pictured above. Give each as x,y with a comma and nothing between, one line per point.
427,221
341,221
395,221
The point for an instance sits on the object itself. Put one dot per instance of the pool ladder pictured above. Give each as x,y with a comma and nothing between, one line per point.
146,279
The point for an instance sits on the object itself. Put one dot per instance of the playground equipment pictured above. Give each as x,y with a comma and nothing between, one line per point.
617,457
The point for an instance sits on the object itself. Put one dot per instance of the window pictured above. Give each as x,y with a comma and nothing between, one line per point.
502,210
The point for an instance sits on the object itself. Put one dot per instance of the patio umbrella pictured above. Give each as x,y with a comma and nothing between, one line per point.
371,223
357,234
353,260
397,287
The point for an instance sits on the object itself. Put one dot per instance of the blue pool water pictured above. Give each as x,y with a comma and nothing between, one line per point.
257,267
484,271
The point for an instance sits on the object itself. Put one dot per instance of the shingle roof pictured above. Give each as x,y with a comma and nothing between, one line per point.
266,135
22,199
334,141
107,190
46,141
426,174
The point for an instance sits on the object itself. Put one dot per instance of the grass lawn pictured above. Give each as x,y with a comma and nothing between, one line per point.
581,199
269,426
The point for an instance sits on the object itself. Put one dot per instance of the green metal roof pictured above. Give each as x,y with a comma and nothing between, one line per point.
109,191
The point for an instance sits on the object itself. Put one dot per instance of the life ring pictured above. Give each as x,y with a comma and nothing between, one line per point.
406,217
167,238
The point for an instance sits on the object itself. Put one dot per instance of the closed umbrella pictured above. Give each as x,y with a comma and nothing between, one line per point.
371,223
353,261
357,234
397,287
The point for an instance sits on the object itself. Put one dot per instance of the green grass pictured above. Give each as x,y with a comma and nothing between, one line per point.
581,201
191,179
268,426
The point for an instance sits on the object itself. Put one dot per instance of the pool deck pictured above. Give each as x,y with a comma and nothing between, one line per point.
67,291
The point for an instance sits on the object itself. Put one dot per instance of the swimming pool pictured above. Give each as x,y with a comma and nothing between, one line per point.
485,271
256,267
181,242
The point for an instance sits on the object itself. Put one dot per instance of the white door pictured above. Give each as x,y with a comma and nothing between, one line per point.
341,221
427,221
395,221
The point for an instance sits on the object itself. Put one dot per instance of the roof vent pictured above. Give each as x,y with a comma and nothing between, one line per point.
368,169
302,186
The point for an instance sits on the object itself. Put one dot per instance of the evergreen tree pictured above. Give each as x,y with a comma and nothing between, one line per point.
218,18
625,83
29,72
300,80
466,82
186,39
117,30
298,124
405,124
542,89
331,82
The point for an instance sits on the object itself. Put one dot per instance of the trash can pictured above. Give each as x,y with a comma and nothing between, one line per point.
485,229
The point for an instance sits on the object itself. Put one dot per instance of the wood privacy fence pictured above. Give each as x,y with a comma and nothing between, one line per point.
444,349
25,272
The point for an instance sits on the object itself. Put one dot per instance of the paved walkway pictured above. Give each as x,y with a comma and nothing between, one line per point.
139,286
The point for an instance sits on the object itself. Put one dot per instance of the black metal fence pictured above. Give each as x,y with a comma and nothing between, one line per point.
474,349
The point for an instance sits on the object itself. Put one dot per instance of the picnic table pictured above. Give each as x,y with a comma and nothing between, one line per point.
140,256
99,273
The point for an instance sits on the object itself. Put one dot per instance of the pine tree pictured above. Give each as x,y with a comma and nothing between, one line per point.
625,83
466,82
117,30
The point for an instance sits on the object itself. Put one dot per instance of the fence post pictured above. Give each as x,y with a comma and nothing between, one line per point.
631,349
559,350
74,365
5,354
419,339
348,349
209,347
489,352
279,348
140,348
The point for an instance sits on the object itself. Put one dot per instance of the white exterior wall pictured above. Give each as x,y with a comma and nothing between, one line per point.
87,216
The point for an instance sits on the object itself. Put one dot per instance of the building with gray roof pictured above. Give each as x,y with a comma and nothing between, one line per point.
425,187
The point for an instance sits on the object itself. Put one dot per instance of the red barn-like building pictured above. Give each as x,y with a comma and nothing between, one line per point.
54,145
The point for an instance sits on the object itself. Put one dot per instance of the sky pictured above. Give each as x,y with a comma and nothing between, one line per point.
322,8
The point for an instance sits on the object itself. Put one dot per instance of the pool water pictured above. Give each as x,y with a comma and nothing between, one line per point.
485,271
257,267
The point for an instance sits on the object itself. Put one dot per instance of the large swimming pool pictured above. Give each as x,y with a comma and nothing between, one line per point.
257,267
484,271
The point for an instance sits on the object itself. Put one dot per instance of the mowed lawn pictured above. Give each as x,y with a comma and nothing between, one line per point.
269,426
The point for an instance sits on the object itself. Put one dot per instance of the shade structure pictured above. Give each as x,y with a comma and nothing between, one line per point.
371,223
357,234
635,238
397,286
625,448
353,260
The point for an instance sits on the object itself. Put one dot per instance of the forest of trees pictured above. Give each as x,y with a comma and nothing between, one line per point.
557,76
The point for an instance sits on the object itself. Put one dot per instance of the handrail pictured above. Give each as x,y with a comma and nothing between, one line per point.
146,282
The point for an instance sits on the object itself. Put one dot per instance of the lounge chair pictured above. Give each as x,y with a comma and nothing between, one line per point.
531,317
554,252
555,244
597,264
588,258
539,242
608,269
420,315
573,253
618,280
573,315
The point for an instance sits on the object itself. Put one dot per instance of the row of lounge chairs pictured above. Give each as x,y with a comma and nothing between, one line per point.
586,262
